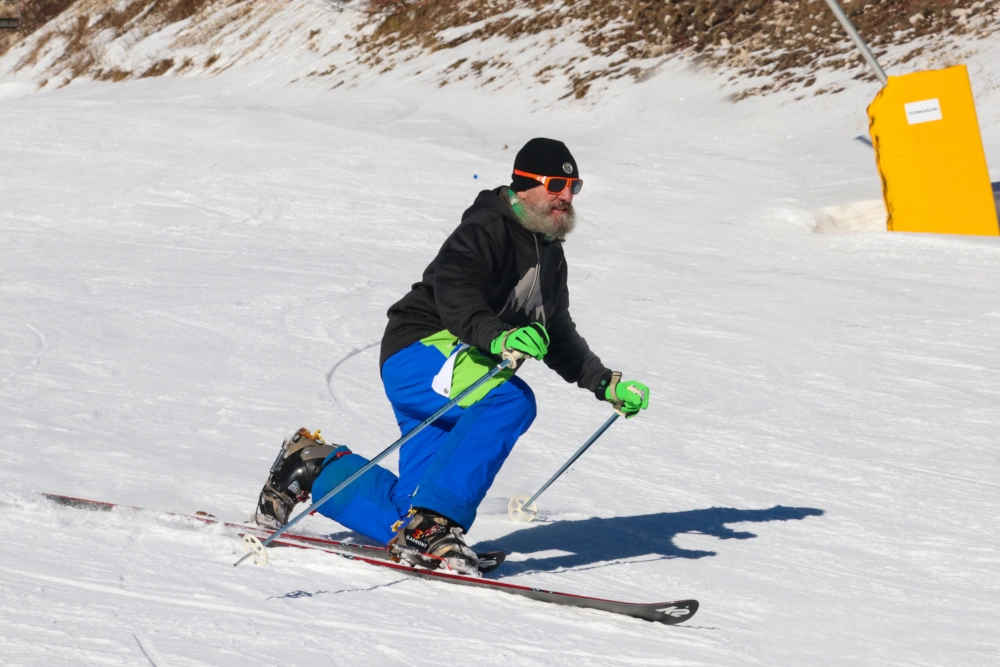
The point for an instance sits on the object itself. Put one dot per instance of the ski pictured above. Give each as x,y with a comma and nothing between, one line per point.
668,613
488,561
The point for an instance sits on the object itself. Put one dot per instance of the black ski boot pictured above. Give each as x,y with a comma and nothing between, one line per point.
433,541
292,475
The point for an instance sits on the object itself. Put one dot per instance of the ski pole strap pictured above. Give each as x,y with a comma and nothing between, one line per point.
514,356
333,457
616,402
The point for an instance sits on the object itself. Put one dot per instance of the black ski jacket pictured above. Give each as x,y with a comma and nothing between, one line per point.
492,275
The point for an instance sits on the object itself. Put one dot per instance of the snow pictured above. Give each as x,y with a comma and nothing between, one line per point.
192,267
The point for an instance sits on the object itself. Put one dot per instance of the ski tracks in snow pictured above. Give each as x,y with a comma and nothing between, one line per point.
42,345
350,355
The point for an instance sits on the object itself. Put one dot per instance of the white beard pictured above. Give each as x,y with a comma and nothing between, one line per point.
539,219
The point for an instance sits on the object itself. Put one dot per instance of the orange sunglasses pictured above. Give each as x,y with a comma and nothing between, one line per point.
555,184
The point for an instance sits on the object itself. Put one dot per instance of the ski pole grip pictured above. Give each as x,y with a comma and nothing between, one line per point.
616,402
513,356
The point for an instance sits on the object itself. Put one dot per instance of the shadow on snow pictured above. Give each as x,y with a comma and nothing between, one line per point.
596,540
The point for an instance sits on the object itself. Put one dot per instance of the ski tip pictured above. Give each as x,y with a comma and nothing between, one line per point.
672,613
79,503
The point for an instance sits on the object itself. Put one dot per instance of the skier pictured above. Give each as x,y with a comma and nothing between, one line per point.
496,289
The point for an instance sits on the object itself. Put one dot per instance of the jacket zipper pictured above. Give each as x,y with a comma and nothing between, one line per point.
538,273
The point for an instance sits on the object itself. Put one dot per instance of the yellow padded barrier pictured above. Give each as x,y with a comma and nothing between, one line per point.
930,155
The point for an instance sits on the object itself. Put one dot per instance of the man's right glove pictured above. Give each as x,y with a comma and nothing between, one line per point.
629,397
532,340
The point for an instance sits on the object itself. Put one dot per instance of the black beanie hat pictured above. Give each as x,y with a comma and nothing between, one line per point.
545,157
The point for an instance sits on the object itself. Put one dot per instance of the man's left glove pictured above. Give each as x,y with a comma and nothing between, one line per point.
629,397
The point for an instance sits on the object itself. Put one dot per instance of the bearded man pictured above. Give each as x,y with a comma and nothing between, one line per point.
497,287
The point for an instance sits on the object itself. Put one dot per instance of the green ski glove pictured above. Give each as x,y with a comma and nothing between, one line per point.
532,340
629,397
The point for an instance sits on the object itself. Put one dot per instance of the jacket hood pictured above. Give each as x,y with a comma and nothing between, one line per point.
494,201
497,202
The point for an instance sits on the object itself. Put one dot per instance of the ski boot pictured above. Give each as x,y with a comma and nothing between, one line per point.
292,475
433,541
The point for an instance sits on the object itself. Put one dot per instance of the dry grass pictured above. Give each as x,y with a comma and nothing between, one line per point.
327,72
114,74
76,37
131,19
786,40
36,51
34,14
118,19
179,10
158,69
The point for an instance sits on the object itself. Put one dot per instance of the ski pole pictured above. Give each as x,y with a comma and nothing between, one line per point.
255,548
522,508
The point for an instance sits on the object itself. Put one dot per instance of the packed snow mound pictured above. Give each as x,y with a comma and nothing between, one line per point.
861,216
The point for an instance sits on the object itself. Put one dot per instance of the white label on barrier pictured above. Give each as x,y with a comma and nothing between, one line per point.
923,112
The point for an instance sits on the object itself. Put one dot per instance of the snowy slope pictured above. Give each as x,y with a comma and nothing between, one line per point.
192,267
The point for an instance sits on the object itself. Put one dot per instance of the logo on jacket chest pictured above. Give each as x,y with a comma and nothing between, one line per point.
526,297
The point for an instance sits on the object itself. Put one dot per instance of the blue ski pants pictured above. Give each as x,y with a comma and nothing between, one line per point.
448,467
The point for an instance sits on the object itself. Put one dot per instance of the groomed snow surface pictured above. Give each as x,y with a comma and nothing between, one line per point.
189,269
